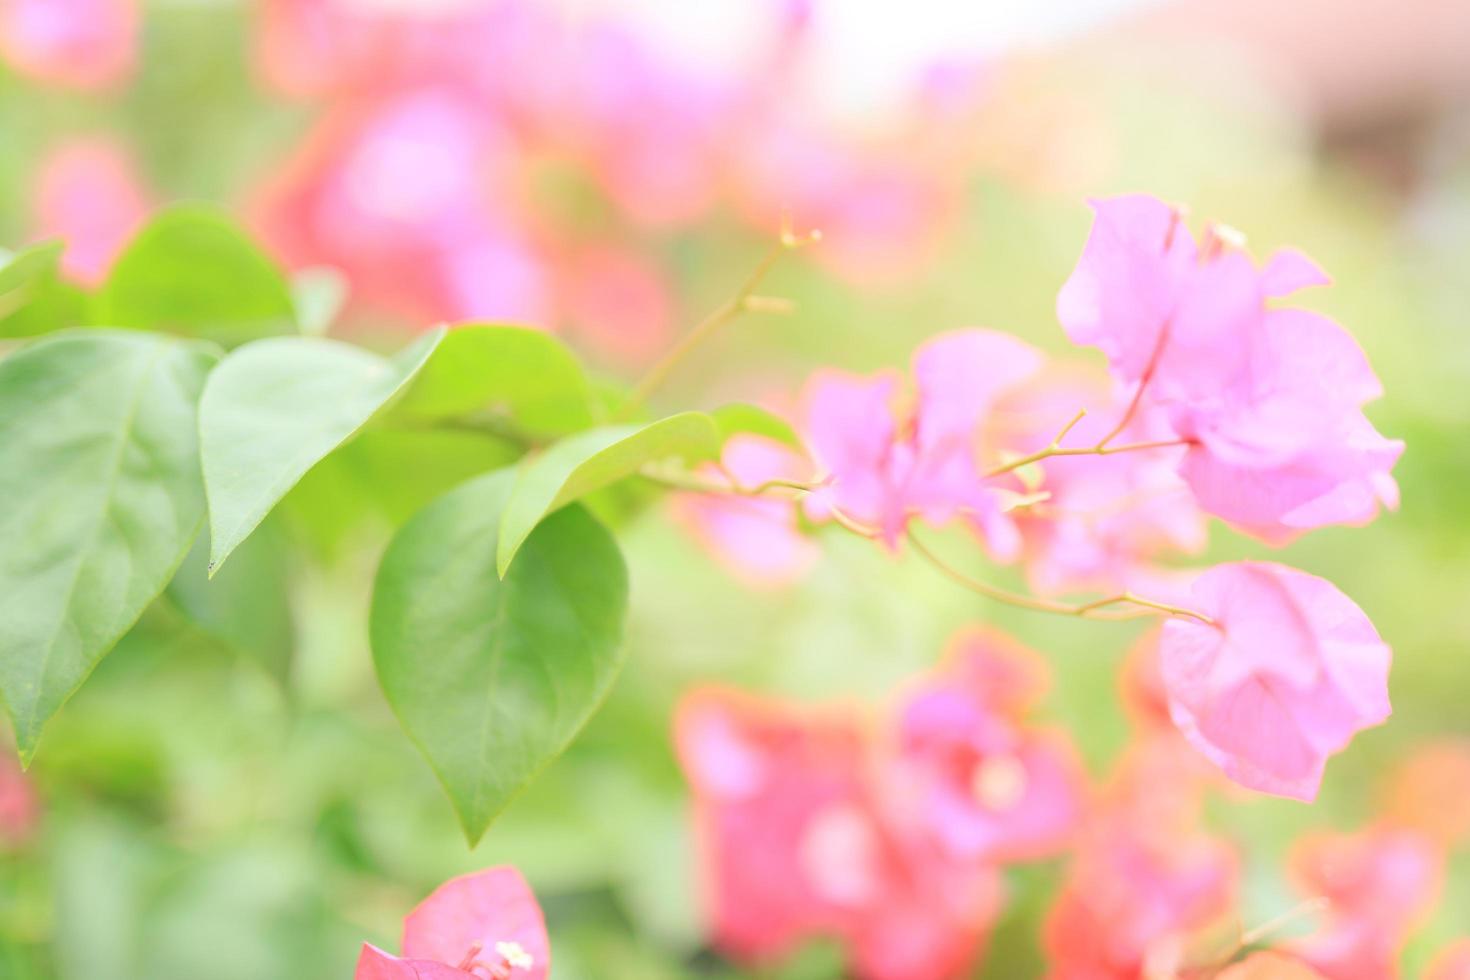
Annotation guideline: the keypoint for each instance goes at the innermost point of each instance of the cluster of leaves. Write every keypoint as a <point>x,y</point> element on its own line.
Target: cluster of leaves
<point>160,421</point>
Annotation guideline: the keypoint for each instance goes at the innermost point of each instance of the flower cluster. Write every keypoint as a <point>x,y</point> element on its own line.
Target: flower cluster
<point>816,822</point>
<point>463,149</point>
<point>893,837</point>
<point>1220,403</point>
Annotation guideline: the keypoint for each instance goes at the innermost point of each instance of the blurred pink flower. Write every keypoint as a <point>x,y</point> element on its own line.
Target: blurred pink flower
<point>985,783</point>
<point>83,44</point>
<point>1430,792</point>
<point>651,133</point>
<point>89,195</point>
<point>1379,883</point>
<point>888,465</point>
<point>1289,671</point>
<point>485,926</point>
<point>757,537</point>
<point>794,845</point>
<point>1145,882</point>
<point>415,199</point>
<point>1270,399</point>
<point>882,210</point>
<point>20,809</point>
<point>617,302</point>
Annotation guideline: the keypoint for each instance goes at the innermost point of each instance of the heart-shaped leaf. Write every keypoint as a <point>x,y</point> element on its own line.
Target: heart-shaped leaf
<point>492,677</point>
<point>591,460</point>
<point>99,478</point>
<point>524,378</point>
<point>274,408</point>
<point>191,270</point>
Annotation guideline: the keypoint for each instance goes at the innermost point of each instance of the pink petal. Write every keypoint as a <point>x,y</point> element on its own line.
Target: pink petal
<point>850,429</point>
<point>1289,270</point>
<point>374,964</point>
<point>1127,281</point>
<point>475,912</point>
<point>1290,670</point>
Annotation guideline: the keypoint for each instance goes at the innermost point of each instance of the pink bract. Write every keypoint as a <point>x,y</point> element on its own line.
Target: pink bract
<point>756,537</point>
<point>982,780</point>
<point>1287,673</point>
<point>1270,399</point>
<point>485,925</point>
<point>1380,883</point>
<point>795,845</point>
<point>889,464</point>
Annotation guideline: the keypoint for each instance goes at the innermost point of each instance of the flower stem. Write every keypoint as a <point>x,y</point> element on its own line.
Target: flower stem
<point>1096,609</point>
<point>743,301</point>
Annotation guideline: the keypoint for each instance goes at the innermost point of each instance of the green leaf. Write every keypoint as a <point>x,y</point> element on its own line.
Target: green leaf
<point>739,417</point>
<point>19,269</point>
<point>191,270</point>
<point>493,678</point>
<point>274,408</point>
<point>99,474</point>
<point>246,606</point>
<point>384,477</point>
<point>525,379</point>
<point>591,460</point>
<point>34,299</point>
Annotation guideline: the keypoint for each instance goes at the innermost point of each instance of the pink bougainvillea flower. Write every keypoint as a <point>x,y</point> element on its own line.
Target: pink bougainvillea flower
<point>1146,883</point>
<point>982,781</point>
<point>485,926</point>
<point>1097,521</point>
<point>796,846</point>
<point>89,195</point>
<point>1270,399</point>
<point>414,198</point>
<point>1287,673</point>
<point>1380,883</point>
<point>1136,898</point>
<point>618,302</point>
<point>20,810</point>
<point>756,537</point>
<point>83,44</point>
<point>1430,792</point>
<point>1451,963</point>
<point>889,465</point>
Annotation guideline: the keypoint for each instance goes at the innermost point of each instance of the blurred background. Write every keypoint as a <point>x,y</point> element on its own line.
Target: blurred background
<point>611,170</point>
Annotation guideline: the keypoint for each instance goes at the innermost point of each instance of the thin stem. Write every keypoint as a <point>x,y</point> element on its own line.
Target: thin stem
<point>1099,449</point>
<point>1096,609</point>
<point>1310,907</point>
<point>695,484</point>
<point>743,301</point>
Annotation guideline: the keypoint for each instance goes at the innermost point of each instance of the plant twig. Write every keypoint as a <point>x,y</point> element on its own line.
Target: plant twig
<point>745,300</point>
